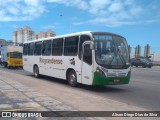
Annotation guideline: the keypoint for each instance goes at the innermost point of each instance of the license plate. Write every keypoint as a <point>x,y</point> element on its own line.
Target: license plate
<point>116,81</point>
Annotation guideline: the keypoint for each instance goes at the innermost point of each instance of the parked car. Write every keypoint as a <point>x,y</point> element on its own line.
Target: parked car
<point>144,62</point>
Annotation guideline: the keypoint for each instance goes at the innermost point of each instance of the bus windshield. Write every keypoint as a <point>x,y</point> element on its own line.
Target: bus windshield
<point>15,55</point>
<point>111,51</point>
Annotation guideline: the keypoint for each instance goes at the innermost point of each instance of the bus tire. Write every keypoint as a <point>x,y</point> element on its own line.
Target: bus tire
<point>36,71</point>
<point>72,78</point>
<point>5,64</point>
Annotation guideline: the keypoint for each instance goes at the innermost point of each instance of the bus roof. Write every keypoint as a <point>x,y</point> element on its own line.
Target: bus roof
<point>14,51</point>
<point>73,34</point>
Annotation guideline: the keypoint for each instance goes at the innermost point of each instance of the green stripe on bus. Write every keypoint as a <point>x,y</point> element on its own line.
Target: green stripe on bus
<point>101,80</point>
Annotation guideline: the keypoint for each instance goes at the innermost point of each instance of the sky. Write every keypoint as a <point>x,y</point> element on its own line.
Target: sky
<point>136,20</point>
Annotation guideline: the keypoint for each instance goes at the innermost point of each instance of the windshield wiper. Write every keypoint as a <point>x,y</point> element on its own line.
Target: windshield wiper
<point>122,58</point>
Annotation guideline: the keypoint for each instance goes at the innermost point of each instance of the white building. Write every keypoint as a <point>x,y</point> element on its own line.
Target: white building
<point>48,33</point>
<point>2,42</point>
<point>132,55</point>
<point>14,37</point>
<point>156,57</point>
<point>23,34</point>
<point>41,35</point>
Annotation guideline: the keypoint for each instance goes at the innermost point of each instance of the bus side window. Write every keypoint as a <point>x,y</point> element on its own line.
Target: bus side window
<point>38,48</point>
<point>30,48</point>
<point>25,48</point>
<point>46,51</point>
<point>71,46</point>
<point>57,47</point>
<point>87,54</point>
<point>83,38</point>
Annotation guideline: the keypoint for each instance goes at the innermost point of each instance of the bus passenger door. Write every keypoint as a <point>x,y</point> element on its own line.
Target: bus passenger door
<point>87,64</point>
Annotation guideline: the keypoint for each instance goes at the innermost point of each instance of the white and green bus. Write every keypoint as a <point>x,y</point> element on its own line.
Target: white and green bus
<point>91,58</point>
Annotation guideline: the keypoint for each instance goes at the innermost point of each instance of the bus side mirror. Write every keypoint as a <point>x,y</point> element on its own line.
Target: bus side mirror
<point>91,45</point>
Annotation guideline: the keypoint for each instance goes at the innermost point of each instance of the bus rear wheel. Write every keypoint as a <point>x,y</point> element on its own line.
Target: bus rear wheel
<point>72,78</point>
<point>36,71</point>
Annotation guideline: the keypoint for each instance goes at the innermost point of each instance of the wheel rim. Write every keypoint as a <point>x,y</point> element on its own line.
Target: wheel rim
<point>36,72</point>
<point>72,79</point>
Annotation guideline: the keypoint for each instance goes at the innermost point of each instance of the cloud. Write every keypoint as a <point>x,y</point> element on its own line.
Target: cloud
<point>110,13</point>
<point>18,10</point>
<point>81,4</point>
<point>108,22</point>
<point>113,13</point>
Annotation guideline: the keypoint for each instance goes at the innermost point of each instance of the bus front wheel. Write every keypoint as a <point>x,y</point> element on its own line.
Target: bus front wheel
<point>8,67</point>
<point>72,78</point>
<point>36,71</point>
<point>5,64</point>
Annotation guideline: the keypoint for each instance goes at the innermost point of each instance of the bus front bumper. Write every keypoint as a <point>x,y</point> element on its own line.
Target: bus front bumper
<point>15,65</point>
<point>102,80</point>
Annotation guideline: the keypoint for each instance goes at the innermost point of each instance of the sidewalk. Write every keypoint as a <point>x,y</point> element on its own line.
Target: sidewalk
<point>16,97</point>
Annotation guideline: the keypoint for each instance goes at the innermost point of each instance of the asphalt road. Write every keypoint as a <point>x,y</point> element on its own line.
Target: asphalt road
<point>142,91</point>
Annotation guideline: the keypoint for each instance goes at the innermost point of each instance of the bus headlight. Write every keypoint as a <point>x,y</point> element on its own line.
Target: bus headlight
<point>100,72</point>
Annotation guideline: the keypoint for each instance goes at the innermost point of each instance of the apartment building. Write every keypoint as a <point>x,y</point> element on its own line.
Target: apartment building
<point>23,34</point>
<point>48,33</point>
